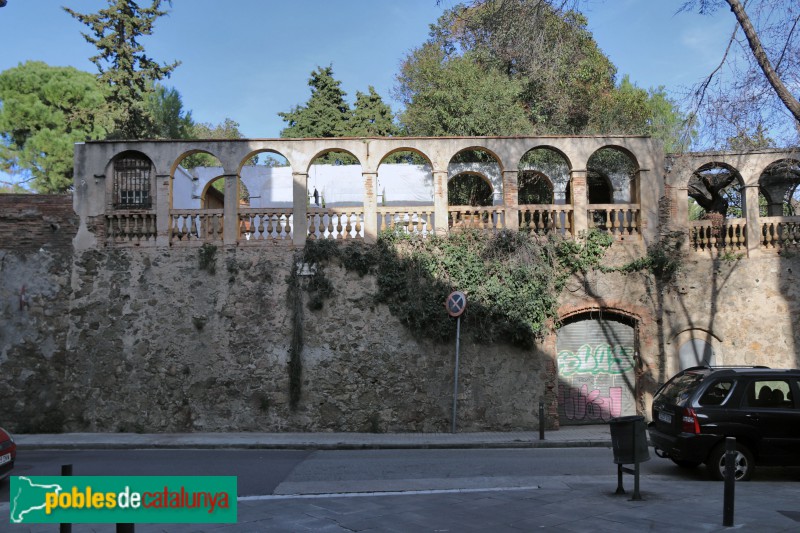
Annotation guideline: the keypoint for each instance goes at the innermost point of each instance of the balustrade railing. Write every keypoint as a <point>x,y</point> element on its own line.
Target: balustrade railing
<point>201,225</point>
<point>619,220</point>
<point>416,220</point>
<point>543,219</point>
<point>708,235</point>
<point>780,232</point>
<point>263,224</point>
<point>490,218</point>
<point>131,228</point>
<point>335,223</point>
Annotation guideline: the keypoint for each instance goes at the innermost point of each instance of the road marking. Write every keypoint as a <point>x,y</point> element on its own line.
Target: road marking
<point>379,493</point>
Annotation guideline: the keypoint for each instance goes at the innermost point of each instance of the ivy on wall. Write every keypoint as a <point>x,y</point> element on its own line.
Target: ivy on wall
<point>512,279</point>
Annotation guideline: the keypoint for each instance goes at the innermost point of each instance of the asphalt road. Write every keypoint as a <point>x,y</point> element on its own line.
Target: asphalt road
<point>276,472</point>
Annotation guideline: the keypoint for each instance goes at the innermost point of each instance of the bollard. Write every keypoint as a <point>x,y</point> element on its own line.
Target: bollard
<point>730,482</point>
<point>541,420</point>
<point>66,470</point>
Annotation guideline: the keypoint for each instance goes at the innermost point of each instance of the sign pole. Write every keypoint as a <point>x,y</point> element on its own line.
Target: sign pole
<point>455,372</point>
<point>455,305</point>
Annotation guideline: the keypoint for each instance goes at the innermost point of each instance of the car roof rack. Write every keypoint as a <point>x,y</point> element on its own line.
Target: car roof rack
<point>722,367</point>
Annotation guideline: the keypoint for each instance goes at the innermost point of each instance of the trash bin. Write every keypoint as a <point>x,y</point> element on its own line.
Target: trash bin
<point>629,440</point>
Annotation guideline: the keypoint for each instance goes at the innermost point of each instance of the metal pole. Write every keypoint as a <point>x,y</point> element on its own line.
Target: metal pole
<point>66,470</point>
<point>541,420</point>
<point>730,481</point>
<point>636,495</point>
<point>455,377</point>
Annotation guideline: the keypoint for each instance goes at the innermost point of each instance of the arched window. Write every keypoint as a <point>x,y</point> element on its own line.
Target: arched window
<point>132,183</point>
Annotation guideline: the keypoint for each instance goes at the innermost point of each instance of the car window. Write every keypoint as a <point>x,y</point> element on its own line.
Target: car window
<point>678,390</point>
<point>717,393</point>
<point>774,393</point>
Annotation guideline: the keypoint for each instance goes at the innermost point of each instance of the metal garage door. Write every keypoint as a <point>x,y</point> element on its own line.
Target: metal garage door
<point>595,371</point>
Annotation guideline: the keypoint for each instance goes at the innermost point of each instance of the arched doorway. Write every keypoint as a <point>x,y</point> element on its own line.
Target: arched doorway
<point>596,368</point>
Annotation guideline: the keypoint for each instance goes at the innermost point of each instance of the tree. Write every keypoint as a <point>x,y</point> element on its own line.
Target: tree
<point>325,114</point>
<point>521,67</point>
<point>123,65</point>
<point>457,96</point>
<point>763,67</point>
<point>170,120</point>
<point>227,129</point>
<point>371,116</point>
<point>45,110</point>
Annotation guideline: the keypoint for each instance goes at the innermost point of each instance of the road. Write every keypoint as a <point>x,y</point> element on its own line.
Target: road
<point>267,472</point>
<point>570,489</point>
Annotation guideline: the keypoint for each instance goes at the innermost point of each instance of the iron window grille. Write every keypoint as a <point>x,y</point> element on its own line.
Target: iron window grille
<point>132,183</point>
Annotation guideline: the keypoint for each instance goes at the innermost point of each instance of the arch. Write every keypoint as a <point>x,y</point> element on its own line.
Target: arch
<point>687,345</point>
<point>613,172</point>
<point>470,188</point>
<point>778,185</point>
<point>338,180</point>
<point>189,181</point>
<point>534,188</point>
<point>481,168</point>
<point>716,187</point>
<point>404,177</point>
<point>326,151</point>
<point>596,361</point>
<point>551,163</point>
<point>132,182</point>
<point>265,176</point>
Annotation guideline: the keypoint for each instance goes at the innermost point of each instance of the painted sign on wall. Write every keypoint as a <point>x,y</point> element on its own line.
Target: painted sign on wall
<point>595,371</point>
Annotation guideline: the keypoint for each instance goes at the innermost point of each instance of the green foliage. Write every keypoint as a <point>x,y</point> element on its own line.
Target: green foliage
<point>500,67</point>
<point>294,297</point>
<point>326,112</point>
<point>44,111</point>
<point>371,117</point>
<point>458,96</point>
<point>207,257</point>
<point>512,280</point>
<point>469,189</point>
<point>171,121</point>
<point>124,68</point>
<point>663,259</point>
<point>228,129</point>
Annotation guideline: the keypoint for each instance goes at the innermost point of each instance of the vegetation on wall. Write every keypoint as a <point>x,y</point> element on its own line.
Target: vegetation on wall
<point>512,279</point>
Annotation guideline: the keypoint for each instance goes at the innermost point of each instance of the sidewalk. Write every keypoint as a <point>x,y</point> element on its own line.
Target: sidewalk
<point>682,501</point>
<point>566,437</point>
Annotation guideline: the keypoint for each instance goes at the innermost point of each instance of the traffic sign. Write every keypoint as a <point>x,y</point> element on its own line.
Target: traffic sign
<point>456,303</point>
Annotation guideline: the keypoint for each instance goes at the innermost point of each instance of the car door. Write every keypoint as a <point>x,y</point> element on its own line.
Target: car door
<point>771,409</point>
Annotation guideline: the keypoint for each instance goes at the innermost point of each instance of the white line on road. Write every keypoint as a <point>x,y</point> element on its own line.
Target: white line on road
<point>379,493</point>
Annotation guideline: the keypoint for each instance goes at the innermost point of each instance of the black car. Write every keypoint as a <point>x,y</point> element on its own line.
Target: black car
<point>699,407</point>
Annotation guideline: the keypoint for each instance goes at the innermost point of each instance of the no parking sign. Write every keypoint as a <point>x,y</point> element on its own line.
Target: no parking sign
<point>456,303</point>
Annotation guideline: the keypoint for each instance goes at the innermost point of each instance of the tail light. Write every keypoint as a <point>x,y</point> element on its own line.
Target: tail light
<point>690,424</point>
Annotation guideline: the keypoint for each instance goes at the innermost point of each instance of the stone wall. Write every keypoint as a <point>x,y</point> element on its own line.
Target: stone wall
<point>151,340</point>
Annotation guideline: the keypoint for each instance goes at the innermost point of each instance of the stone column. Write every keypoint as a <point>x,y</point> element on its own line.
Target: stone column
<point>440,202</point>
<point>370,207</point>
<point>753,220</point>
<point>163,200</point>
<point>299,210</point>
<point>580,220</point>
<point>511,198</point>
<point>230,229</point>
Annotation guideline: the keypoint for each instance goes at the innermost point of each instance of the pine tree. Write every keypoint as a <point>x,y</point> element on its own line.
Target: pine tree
<point>371,116</point>
<point>325,114</point>
<point>122,63</point>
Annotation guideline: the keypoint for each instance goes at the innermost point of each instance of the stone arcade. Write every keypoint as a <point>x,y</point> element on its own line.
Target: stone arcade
<point>109,324</point>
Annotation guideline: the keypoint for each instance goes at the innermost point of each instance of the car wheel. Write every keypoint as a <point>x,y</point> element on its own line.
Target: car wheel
<point>743,466</point>
<point>686,464</point>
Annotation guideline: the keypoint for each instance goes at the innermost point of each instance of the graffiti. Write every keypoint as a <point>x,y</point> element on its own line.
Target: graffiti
<point>584,405</point>
<point>603,359</point>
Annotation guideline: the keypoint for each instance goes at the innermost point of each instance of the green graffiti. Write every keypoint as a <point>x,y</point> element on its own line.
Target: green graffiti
<point>600,359</point>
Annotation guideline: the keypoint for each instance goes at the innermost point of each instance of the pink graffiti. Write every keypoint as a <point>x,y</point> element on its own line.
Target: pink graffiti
<point>584,405</point>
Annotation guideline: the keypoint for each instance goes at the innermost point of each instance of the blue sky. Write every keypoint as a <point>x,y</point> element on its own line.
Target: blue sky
<point>250,59</point>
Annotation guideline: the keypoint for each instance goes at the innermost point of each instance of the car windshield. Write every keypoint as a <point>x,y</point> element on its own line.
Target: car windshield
<point>679,389</point>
